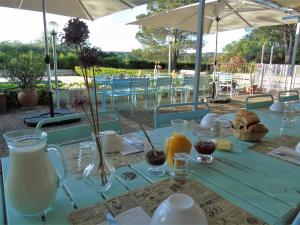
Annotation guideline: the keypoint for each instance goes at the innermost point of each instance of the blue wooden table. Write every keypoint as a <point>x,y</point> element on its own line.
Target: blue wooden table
<point>264,186</point>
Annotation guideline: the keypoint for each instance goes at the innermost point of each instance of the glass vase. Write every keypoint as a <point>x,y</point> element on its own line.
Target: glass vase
<point>99,174</point>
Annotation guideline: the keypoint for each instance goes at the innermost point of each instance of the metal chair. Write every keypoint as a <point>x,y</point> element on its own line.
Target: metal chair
<point>162,85</point>
<point>185,88</point>
<point>288,96</point>
<point>164,118</point>
<point>258,101</point>
<point>109,120</point>
<point>225,82</point>
<point>204,86</point>
<point>140,86</point>
<point>120,88</point>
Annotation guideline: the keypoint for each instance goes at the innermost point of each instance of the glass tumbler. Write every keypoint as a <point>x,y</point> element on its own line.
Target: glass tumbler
<point>179,126</point>
<point>180,173</point>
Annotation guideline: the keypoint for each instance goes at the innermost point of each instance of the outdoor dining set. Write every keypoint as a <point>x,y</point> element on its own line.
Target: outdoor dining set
<point>240,182</point>
<point>152,89</point>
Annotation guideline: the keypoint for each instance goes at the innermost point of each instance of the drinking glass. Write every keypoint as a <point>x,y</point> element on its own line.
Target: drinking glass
<point>179,126</point>
<point>180,173</point>
<point>288,120</point>
<point>217,128</point>
<point>155,158</point>
<point>287,127</point>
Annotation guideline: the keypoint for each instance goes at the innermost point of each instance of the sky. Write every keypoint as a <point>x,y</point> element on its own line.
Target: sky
<point>110,33</point>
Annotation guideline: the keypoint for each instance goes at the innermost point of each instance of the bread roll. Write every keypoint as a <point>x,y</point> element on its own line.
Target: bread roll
<point>257,128</point>
<point>243,113</point>
<point>239,125</point>
<point>249,120</point>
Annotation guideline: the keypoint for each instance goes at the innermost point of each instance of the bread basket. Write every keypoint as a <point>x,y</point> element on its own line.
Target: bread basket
<point>249,136</point>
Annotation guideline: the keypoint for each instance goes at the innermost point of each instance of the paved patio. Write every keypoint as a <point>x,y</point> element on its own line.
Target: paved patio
<point>13,119</point>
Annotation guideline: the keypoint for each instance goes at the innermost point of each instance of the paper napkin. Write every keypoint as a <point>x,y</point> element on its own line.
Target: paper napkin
<point>134,216</point>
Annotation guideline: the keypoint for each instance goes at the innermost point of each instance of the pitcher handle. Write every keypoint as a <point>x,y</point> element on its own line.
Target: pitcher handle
<point>63,160</point>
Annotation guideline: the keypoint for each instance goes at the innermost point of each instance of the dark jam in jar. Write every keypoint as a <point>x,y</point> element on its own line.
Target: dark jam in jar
<point>156,158</point>
<point>205,147</point>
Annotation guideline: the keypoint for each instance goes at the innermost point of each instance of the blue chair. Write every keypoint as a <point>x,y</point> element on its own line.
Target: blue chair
<point>259,101</point>
<point>186,87</point>
<point>140,86</point>
<point>162,85</point>
<point>288,96</point>
<point>108,120</point>
<point>120,88</point>
<point>204,86</point>
<point>163,118</point>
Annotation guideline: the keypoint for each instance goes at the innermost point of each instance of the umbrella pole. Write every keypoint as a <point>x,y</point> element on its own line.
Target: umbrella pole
<point>215,94</point>
<point>47,60</point>
<point>292,69</point>
<point>198,51</point>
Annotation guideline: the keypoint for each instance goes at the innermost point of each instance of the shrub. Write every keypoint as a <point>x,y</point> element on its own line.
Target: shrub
<point>25,69</point>
<point>112,71</point>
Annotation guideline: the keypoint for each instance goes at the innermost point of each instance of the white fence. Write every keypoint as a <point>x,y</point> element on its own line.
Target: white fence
<point>276,76</point>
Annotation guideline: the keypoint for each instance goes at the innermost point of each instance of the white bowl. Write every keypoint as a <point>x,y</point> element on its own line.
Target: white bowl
<point>277,107</point>
<point>207,120</point>
<point>179,209</point>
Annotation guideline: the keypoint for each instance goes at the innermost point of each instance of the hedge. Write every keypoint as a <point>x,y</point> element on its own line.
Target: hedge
<point>112,71</point>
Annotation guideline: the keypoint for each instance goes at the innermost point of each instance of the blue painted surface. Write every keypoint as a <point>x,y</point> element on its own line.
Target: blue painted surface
<point>257,103</point>
<point>264,186</point>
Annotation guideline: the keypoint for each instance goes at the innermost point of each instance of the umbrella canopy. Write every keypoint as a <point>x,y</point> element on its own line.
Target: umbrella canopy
<point>85,9</point>
<point>292,4</point>
<point>219,15</point>
<point>231,15</point>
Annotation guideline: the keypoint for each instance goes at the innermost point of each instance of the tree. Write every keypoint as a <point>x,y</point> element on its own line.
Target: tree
<point>249,47</point>
<point>155,47</point>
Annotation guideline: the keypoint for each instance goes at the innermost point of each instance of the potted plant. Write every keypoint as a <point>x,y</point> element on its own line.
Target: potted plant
<point>26,70</point>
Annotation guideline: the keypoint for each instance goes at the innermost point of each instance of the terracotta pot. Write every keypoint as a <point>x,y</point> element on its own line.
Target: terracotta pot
<point>28,99</point>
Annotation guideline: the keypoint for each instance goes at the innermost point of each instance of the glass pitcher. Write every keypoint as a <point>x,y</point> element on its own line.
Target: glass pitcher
<point>32,181</point>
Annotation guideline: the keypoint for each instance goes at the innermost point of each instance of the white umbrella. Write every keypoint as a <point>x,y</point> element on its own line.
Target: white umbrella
<point>219,15</point>
<point>85,9</point>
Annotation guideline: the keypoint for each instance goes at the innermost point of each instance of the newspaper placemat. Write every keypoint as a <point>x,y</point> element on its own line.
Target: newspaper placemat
<point>268,144</point>
<point>218,210</point>
<point>286,154</point>
<point>80,155</point>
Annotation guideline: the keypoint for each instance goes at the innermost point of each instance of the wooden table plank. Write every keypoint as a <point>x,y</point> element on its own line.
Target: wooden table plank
<point>267,217</point>
<point>254,197</point>
<point>14,217</point>
<point>133,184</point>
<point>61,207</point>
<point>81,194</point>
<point>116,189</point>
<point>264,165</point>
<point>267,186</point>
<point>2,205</point>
